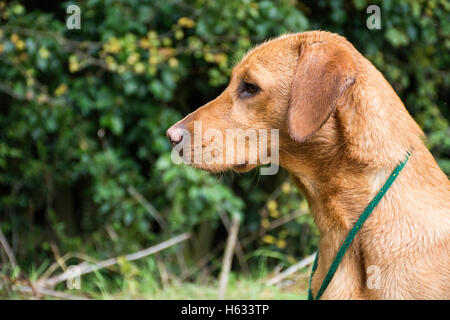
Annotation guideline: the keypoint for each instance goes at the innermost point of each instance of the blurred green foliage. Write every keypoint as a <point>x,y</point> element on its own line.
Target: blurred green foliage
<point>83,116</point>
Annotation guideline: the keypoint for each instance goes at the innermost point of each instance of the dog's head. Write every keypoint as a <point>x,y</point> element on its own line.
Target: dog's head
<point>291,84</point>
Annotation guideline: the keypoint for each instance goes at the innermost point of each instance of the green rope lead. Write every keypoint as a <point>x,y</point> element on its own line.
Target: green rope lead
<point>351,235</point>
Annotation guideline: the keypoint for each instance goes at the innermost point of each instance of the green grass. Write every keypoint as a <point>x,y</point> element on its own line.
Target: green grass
<point>143,281</point>
<point>239,289</point>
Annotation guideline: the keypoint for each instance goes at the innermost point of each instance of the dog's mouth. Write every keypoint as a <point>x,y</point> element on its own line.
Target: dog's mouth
<point>244,167</point>
<point>241,167</point>
<point>238,168</point>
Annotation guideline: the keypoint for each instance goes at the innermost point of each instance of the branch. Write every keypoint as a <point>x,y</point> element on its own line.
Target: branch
<point>292,269</point>
<point>147,206</point>
<point>203,261</point>
<point>63,260</point>
<point>8,250</point>
<point>239,251</point>
<point>93,45</point>
<point>49,100</point>
<point>228,256</point>
<point>84,268</point>
<point>47,292</point>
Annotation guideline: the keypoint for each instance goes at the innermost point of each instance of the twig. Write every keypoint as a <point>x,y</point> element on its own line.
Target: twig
<point>62,263</point>
<point>180,259</point>
<point>48,34</point>
<point>203,261</point>
<point>63,260</point>
<point>147,206</point>
<point>159,219</point>
<point>162,271</point>
<point>84,268</point>
<point>239,251</point>
<point>8,250</point>
<point>47,292</point>
<point>228,256</point>
<point>9,91</point>
<point>292,269</point>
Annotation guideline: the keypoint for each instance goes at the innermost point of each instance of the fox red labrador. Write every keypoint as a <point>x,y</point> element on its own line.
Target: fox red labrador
<point>342,132</point>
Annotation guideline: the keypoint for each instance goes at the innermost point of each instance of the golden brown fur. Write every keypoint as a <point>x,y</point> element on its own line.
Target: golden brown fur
<point>343,130</point>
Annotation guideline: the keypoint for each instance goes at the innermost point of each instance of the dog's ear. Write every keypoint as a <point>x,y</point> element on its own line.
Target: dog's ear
<point>324,72</point>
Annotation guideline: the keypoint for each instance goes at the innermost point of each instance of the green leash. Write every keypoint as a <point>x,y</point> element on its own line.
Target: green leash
<point>352,233</point>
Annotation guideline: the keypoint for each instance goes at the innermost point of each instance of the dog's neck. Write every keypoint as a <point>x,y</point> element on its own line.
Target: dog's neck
<point>341,168</point>
<point>337,185</point>
<point>337,191</point>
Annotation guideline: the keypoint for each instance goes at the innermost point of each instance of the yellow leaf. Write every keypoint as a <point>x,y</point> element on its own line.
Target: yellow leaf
<point>139,68</point>
<point>167,52</point>
<point>167,41</point>
<point>42,98</point>
<point>14,38</point>
<point>74,65</point>
<point>133,58</point>
<point>274,213</point>
<point>153,60</point>
<point>209,57</point>
<point>186,22</point>
<point>144,43</point>
<point>268,239</point>
<point>113,45</point>
<point>62,88</point>
<point>272,205</point>
<point>286,187</point>
<point>20,45</point>
<point>304,205</point>
<point>152,35</point>
<point>179,35</point>
<point>281,244</point>
<point>173,62</point>
<point>44,53</point>
<point>111,63</point>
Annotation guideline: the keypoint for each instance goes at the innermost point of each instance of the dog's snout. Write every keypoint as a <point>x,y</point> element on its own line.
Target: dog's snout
<point>175,134</point>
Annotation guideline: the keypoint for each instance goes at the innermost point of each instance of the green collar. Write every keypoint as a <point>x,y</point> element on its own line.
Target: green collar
<point>352,233</point>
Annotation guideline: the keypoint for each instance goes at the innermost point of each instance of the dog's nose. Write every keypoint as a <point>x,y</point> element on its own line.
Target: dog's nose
<point>175,134</point>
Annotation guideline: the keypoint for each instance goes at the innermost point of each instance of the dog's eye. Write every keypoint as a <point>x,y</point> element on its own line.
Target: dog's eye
<point>247,89</point>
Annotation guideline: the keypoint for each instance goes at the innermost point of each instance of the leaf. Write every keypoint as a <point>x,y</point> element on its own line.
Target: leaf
<point>396,37</point>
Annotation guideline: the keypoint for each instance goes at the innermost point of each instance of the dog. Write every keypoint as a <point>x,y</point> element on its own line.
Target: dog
<point>342,131</point>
